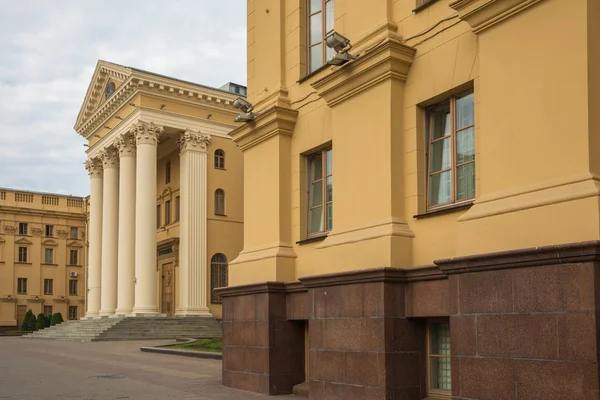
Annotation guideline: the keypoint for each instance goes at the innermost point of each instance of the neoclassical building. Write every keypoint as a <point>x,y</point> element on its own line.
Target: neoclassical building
<point>166,209</point>
<point>42,255</point>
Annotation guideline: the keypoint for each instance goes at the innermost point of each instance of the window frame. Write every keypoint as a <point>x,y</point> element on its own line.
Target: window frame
<point>49,231</point>
<point>324,202</point>
<point>177,208</point>
<point>75,230</point>
<point>51,308</point>
<point>23,228</point>
<point>429,125</point>
<point>21,284</point>
<point>219,269</point>
<point>434,393</point>
<point>219,198</point>
<point>168,172</point>
<point>71,252</point>
<point>158,216</point>
<point>219,161</point>
<point>23,256</point>
<point>324,33</point>
<point>46,250</point>
<point>72,316</point>
<point>73,284</point>
<point>167,212</point>
<point>48,286</point>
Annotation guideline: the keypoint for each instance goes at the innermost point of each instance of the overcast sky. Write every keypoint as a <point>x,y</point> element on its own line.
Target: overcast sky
<point>48,51</point>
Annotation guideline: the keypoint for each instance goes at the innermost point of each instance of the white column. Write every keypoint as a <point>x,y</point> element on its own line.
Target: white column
<point>110,224</point>
<point>146,298</point>
<point>192,226</point>
<point>126,235</point>
<point>94,167</point>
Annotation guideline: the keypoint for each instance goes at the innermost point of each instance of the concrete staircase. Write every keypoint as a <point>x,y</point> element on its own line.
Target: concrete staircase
<point>131,328</point>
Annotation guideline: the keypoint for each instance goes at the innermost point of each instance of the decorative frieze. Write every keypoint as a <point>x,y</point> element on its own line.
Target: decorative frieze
<point>62,234</point>
<point>146,133</point>
<point>190,140</point>
<point>126,145</point>
<point>36,232</point>
<point>94,167</point>
<point>110,158</point>
<point>10,230</point>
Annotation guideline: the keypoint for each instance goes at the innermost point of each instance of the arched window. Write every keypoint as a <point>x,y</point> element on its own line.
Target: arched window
<point>219,159</point>
<point>219,202</point>
<point>218,275</point>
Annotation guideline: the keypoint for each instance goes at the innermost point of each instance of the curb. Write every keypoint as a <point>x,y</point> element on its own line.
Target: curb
<point>184,353</point>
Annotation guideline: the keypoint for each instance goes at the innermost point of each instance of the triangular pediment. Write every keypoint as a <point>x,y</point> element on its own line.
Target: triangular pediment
<point>74,244</point>
<point>105,73</point>
<point>49,242</point>
<point>23,241</point>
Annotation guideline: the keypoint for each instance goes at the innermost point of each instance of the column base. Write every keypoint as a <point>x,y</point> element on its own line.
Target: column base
<point>193,312</point>
<point>145,315</point>
<point>90,315</point>
<point>145,310</point>
<point>106,313</point>
<point>123,312</point>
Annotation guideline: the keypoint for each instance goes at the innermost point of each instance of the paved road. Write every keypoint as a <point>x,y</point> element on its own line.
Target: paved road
<point>48,369</point>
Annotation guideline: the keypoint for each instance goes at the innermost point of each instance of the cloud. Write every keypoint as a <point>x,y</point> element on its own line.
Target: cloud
<point>49,51</point>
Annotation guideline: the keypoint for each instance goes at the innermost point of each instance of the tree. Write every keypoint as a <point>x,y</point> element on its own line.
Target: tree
<point>41,322</point>
<point>32,324</point>
<point>25,324</point>
<point>56,319</point>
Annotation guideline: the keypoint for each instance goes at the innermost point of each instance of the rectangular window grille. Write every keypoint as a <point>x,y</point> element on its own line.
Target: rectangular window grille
<point>320,193</point>
<point>23,254</point>
<point>438,352</point>
<point>73,286</point>
<point>76,203</point>
<point>219,278</point>
<point>73,257</point>
<point>72,312</point>
<point>2,195</point>
<point>50,200</point>
<point>48,286</point>
<point>22,285</point>
<point>22,228</point>
<point>74,233</point>
<point>48,311</point>
<point>24,197</point>
<point>48,256</point>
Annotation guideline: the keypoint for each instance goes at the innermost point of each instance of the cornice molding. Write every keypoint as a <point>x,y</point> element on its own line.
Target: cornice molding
<point>390,59</point>
<point>483,14</point>
<point>23,241</point>
<point>50,242</point>
<point>271,122</point>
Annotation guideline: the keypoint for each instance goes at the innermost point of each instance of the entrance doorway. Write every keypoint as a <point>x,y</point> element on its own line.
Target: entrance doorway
<point>21,311</point>
<point>168,282</point>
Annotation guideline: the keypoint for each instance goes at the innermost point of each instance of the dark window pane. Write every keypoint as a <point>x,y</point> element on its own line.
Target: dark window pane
<point>316,220</point>
<point>440,121</point>
<point>316,168</point>
<point>441,155</point>
<point>440,188</point>
<point>316,191</point>
<point>329,216</point>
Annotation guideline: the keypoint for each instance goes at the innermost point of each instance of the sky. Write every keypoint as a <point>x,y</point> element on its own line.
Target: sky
<point>48,52</point>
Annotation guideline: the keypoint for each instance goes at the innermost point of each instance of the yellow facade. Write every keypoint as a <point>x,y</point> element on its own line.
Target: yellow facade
<point>42,240</point>
<point>536,180</point>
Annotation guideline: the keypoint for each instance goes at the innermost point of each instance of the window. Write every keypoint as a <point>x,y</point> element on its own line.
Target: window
<point>73,284</point>
<point>74,234</point>
<point>167,212</point>
<point>22,285</point>
<point>23,254</point>
<point>48,256</point>
<point>109,90</point>
<point>219,159</point>
<point>48,286</point>
<point>220,202</point>
<point>73,257</point>
<point>48,311</point>
<point>320,196</point>
<point>218,275</point>
<point>22,228</point>
<point>451,156</point>
<point>158,219</point>
<point>72,312</point>
<point>168,172</point>
<point>177,208</point>
<point>320,23</point>
<point>49,230</point>
<point>438,354</point>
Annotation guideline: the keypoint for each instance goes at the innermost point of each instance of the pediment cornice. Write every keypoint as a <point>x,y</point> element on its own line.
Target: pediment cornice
<point>74,244</point>
<point>23,241</point>
<point>94,113</point>
<point>50,242</point>
<point>482,14</point>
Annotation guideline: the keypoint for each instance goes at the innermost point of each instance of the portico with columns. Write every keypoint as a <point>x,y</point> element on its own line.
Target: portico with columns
<point>165,193</point>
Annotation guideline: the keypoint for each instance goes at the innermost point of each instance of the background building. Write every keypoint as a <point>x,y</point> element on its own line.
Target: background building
<point>166,211</point>
<point>464,132</point>
<point>42,255</point>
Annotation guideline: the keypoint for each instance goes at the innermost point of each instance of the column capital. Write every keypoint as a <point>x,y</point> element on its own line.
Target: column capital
<point>126,145</point>
<point>110,158</point>
<point>194,141</point>
<point>94,167</point>
<point>146,133</point>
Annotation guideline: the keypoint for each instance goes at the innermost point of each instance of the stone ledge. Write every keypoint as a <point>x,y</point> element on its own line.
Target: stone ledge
<point>184,353</point>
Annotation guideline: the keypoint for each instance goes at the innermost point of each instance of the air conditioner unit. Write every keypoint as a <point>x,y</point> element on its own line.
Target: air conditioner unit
<point>73,274</point>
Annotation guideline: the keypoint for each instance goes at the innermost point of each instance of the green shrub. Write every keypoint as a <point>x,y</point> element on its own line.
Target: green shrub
<point>32,326</point>
<point>25,324</point>
<point>41,322</point>
<point>56,319</point>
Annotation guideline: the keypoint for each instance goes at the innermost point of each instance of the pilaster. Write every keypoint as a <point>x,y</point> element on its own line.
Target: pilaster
<point>193,259</point>
<point>94,167</point>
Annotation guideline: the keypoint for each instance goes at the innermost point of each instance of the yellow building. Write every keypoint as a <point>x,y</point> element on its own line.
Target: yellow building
<point>166,209</point>
<point>461,131</point>
<point>42,255</point>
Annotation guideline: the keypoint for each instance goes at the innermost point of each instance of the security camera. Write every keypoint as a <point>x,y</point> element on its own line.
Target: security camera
<point>341,59</point>
<point>245,117</point>
<point>337,42</point>
<point>243,105</point>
